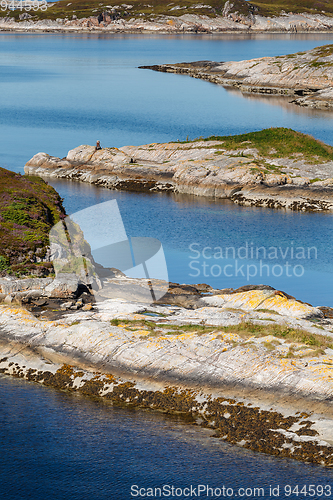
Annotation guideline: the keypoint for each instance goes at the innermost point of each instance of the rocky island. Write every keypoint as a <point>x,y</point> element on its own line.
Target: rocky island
<point>307,76</point>
<point>254,365</point>
<point>276,168</point>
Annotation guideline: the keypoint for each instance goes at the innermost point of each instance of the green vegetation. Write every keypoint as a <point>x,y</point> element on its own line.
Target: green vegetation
<point>275,7</point>
<point>135,8</point>
<point>323,51</point>
<point>297,335</point>
<point>29,207</point>
<point>279,143</point>
<point>245,330</point>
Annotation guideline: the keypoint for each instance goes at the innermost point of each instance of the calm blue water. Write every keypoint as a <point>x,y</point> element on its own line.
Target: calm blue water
<point>194,231</point>
<point>57,446</point>
<point>59,91</point>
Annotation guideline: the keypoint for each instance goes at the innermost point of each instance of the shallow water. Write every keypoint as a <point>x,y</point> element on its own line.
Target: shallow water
<point>57,445</point>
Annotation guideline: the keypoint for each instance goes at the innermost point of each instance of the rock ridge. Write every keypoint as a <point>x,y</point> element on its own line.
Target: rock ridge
<point>185,23</point>
<point>243,169</point>
<point>308,76</point>
<point>193,362</point>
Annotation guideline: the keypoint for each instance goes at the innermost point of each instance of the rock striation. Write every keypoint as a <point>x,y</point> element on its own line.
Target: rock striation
<point>276,168</point>
<point>251,365</point>
<point>308,76</point>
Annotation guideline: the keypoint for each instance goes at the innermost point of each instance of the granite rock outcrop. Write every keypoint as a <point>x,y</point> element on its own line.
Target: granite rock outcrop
<point>243,169</point>
<point>308,76</point>
<point>239,358</point>
<point>228,22</point>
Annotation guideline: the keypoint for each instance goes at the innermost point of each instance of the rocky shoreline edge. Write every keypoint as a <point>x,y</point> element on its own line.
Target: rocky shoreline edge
<point>228,23</point>
<point>254,365</point>
<point>262,169</point>
<point>306,76</point>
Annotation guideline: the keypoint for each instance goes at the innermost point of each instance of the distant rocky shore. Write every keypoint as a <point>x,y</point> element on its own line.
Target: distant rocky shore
<point>230,22</point>
<point>307,76</point>
<point>276,168</point>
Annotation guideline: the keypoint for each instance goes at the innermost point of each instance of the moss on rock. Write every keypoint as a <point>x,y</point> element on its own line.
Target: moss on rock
<point>29,208</point>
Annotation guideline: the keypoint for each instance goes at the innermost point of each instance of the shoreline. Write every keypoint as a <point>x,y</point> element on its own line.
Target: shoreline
<point>145,31</point>
<point>189,22</point>
<point>210,168</point>
<point>269,402</point>
<point>305,76</point>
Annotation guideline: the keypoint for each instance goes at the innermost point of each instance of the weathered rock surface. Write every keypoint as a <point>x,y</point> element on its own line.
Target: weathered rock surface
<point>306,75</point>
<point>210,168</point>
<point>268,393</point>
<point>186,23</point>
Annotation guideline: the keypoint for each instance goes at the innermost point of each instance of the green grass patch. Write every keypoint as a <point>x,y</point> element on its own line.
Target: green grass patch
<point>284,142</point>
<point>247,330</point>
<point>316,179</point>
<point>275,8</point>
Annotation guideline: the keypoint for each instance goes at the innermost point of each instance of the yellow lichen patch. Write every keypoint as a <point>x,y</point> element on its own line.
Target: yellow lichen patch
<point>141,333</point>
<point>245,300</point>
<point>228,337</point>
<point>286,364</point>
<point>281,304</point>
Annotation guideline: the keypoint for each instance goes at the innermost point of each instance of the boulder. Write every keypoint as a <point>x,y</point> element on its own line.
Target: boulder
<point>65,285</point>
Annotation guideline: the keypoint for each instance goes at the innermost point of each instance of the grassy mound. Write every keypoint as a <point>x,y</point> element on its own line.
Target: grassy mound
<point>29,207</point>
<point>279,142</point>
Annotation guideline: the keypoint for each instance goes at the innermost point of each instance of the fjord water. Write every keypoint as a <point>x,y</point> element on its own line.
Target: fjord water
<point>57,446</point>
<point>59,91</point>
